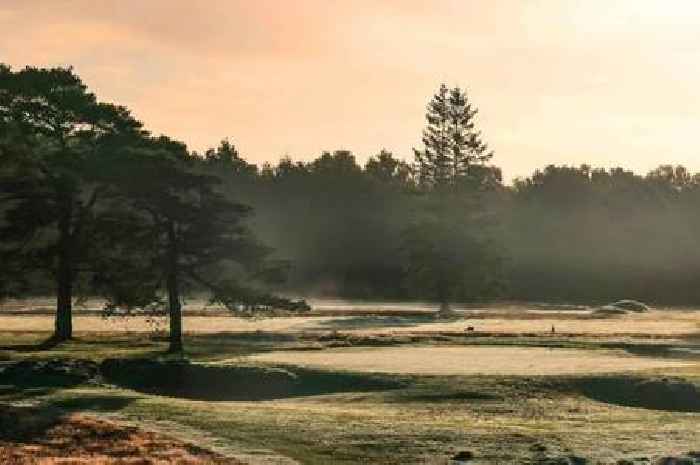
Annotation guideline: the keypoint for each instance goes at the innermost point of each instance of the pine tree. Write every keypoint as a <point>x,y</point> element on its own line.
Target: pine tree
<point>384,168</point>
<point>226,157</point>
<point>452,144</point>
<point>446,254</point>
<point>176,232</point>
<point>56,148</point>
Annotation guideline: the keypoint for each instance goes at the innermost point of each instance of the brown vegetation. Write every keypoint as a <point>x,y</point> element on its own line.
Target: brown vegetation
<point>27,438</point>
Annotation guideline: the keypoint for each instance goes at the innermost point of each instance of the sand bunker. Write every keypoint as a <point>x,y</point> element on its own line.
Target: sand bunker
<point>460,360</point>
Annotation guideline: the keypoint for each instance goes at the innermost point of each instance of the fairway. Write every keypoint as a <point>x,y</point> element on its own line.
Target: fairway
<point>525,361</point>
<point>345,386</point>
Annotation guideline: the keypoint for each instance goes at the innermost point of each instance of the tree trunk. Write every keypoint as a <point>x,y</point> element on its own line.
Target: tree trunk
<point>445,310</point>
<point>64,306</point>
<point>63,329</point>
<point>175,308</point>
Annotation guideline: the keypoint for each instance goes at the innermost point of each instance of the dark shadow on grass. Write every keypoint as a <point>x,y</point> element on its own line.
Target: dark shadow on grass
<point>668,394</point>
<point>243,337</point>
<point>230,344</point>
<point>236,383</point>
<point>32,378</point>
<point>93,403</point>
<point>675,351</point>
<point>29,424</point>
<point>439,397</point>
<point>23,424</point>
<point>47,344</point>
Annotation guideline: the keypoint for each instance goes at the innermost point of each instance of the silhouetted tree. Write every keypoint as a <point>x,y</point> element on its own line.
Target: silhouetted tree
<point>445,247</point>
<point>583,234</point>
<point>57,144</point>
<point>385,168</point>
<point>452,144</point>
<point>225,157</point>
<point>183,233</point>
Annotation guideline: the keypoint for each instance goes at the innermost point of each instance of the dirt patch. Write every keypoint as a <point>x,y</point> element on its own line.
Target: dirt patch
<point>78,440</point>
<point>465,360</point>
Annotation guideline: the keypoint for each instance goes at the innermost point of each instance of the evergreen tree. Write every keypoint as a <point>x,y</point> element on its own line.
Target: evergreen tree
<point>386,169</point>
<point>179,233</point>
<point>447,253</point>
<point>56,148</point>
<point>226,157</point>
<point>452,144</point>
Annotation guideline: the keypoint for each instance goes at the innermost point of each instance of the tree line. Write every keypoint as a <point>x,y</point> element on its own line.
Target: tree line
<point>94,204</point>
<point>564,234</point>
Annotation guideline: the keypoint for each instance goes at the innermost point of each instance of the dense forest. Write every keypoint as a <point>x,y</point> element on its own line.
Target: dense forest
<point>569,234</point>
<point>92,203</point>
<point>575,234</point>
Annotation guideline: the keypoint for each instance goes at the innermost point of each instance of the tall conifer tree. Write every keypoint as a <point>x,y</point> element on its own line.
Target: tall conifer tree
<point>452,144</point>
<point>447,254</point>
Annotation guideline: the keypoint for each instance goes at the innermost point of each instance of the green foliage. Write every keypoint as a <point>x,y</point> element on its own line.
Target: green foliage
<point>176,232</point>
<point>226,158</point>
<point>584,234</point>
<point>57,142</point>
<point>385,168</point>
<point>452,144</point>
<point>447,254</point>
<point>91,198</point>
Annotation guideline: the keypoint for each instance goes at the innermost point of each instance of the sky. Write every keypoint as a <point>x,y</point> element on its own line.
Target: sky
<point>603,82</point>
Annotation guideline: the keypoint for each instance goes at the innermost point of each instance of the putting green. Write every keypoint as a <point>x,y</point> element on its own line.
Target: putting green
<point>461,360</point>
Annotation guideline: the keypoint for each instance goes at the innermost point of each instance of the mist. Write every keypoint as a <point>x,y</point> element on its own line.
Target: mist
<point>569,234</point>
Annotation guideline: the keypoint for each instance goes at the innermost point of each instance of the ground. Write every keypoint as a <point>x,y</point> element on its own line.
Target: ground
<point>38,439</point>
<point>364,383</point>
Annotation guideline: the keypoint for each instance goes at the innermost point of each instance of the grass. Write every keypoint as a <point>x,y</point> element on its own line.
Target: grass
<point>429,419</point>
<point>328,416</point>
<point>37,438</point>
<point>100,346</point>
<point>465,360</point>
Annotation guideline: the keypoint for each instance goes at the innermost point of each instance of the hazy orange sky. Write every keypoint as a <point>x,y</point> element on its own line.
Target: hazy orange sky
<point>557,81</point>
